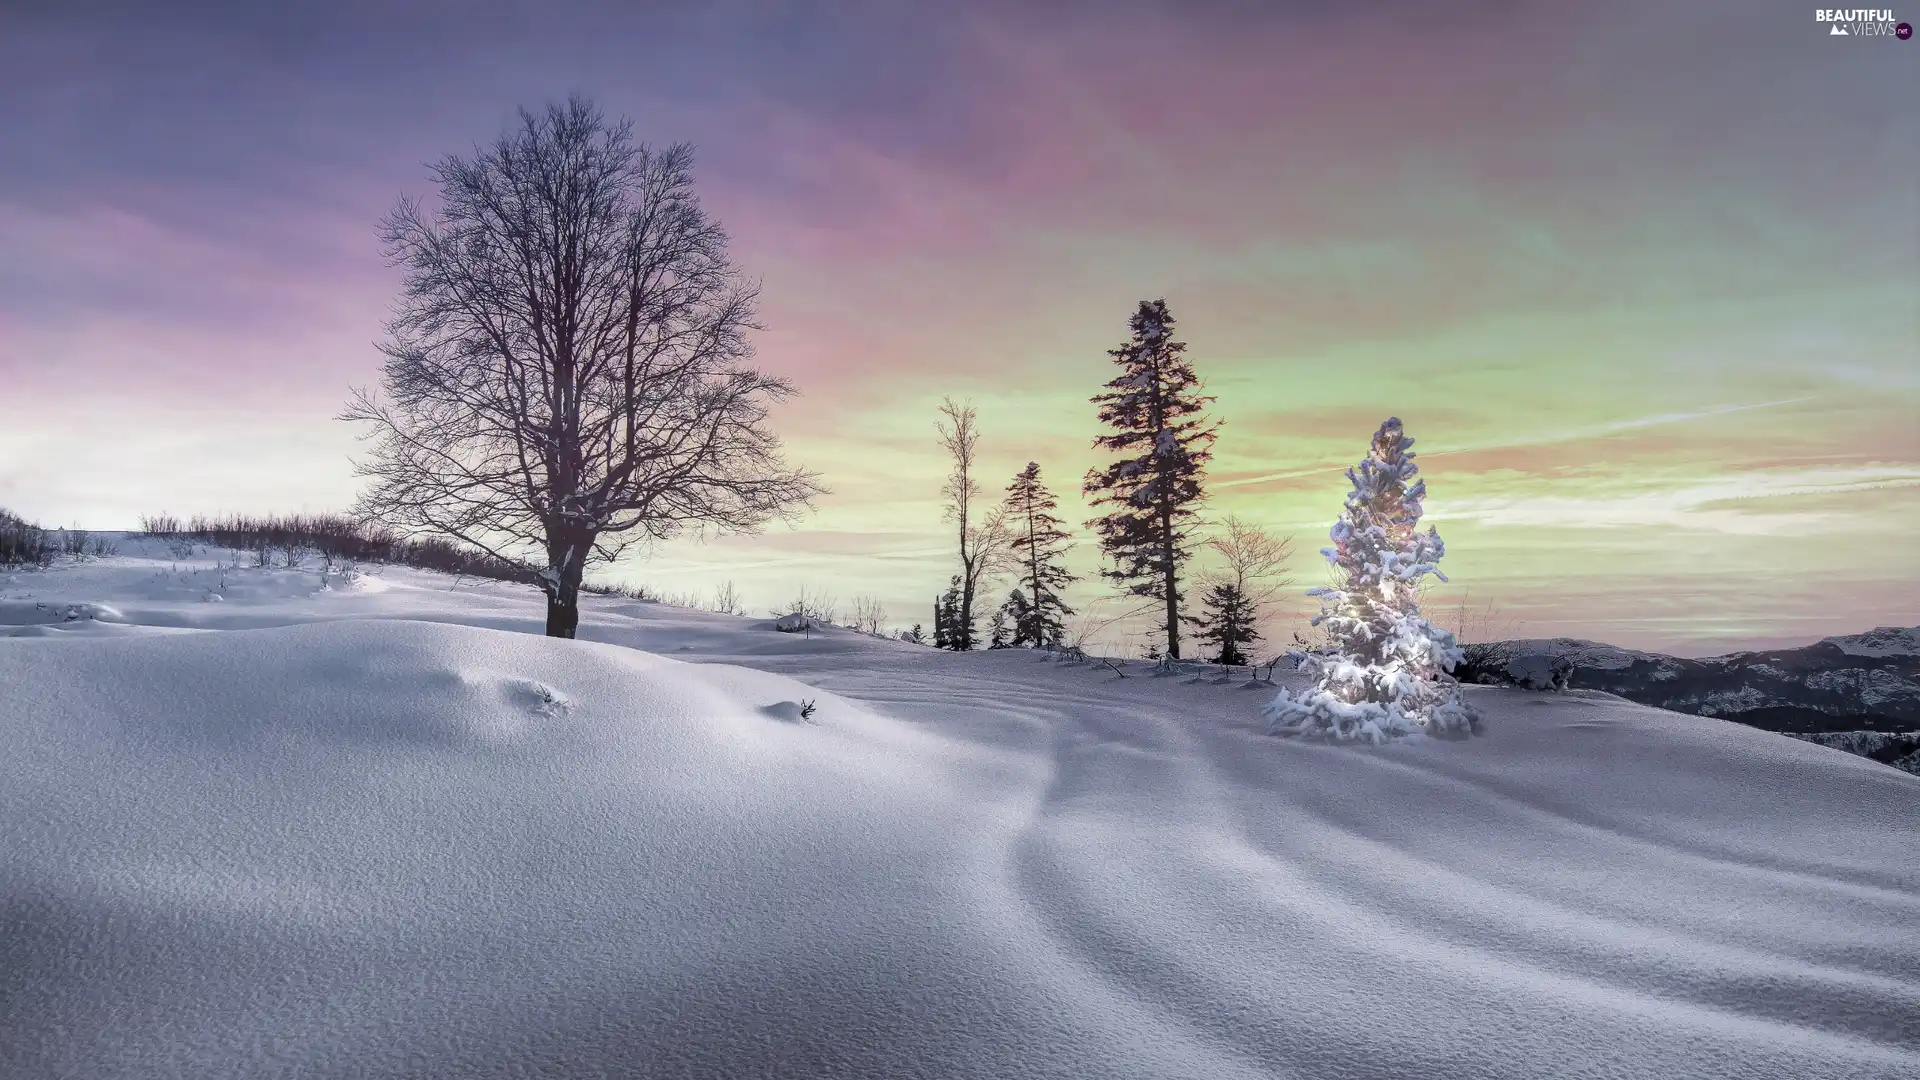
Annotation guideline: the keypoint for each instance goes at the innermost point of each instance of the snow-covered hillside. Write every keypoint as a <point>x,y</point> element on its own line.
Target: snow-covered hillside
<point>376,827</point>
<point>1862,682</point>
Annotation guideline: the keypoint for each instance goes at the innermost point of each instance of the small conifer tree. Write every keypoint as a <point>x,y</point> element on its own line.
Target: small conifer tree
<point>1388,672</point>
<point>1019,613</point>
<point>952,628</point>
<point>1229,623</point>
<point>999,629</point>
<point>1036,545</point>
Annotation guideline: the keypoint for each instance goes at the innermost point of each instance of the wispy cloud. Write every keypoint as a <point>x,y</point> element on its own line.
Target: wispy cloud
<point>1612,428</point>
<point>1571,435</point>
<point>1730,504</point>
<point>1671,418</point>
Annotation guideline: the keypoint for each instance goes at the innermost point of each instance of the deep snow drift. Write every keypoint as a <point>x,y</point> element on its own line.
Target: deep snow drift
<point>364,832</point>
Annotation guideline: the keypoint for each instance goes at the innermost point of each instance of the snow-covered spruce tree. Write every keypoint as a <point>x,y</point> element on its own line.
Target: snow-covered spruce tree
<point>1036,544</point>
<point>1388,674</point>
<point>1229,623</point>
<point>1156,410</point>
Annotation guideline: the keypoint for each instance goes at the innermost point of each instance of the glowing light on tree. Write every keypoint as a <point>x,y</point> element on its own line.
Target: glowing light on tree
<point>1388,674</point>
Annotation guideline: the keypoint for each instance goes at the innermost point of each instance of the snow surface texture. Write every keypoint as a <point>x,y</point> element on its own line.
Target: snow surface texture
<point>334,843</point>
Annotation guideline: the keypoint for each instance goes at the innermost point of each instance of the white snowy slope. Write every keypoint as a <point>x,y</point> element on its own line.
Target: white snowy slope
<point>1885,641</point>
<point>367,831</point>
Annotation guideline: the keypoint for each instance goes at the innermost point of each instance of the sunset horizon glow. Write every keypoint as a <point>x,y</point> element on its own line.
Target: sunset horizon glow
<point>1642,283</point>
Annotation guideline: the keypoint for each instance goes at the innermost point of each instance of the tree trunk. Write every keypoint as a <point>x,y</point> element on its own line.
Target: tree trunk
<point>563,596</point>
<point>1033,566</point>
<point>1173,598</point>
<point>563,609</point>
<point>963,629</point>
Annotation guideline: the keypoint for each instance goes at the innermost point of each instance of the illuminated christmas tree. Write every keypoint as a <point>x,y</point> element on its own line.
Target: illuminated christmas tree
<point>1388,674</point>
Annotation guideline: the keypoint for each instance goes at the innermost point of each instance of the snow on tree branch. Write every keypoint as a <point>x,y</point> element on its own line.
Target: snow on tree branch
<point>1388,675</point>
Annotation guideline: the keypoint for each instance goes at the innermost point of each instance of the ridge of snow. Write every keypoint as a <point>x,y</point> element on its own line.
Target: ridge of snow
<point>1595,654</point>
<point>1880,641</point>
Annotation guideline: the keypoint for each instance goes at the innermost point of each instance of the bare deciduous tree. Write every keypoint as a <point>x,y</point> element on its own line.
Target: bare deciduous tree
<point>567,373</point>
<point>983,540</point>
<point>1479,626</point>
<point>726,599</point>
<point>869,615</point>
<point>1251,559</point>
<point>816,607</point>
<point>159,524</point>
<point>1097,620</point>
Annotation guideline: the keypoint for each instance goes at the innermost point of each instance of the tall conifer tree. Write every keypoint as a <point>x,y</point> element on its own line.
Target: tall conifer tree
<point>1155,487</point>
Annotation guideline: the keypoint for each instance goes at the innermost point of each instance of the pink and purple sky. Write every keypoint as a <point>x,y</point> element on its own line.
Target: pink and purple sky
<point>1643,279</point>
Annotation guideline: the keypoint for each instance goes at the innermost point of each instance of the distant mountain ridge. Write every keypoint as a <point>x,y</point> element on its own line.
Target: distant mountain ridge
<point>1857,682</point>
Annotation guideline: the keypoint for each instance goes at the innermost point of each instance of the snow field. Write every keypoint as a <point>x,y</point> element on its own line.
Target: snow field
<point>390,832</point>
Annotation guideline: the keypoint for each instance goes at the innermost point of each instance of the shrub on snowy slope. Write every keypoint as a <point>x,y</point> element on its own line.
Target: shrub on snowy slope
<point>1387,675</point>
<point>291,538</point>
<point>23,543</point>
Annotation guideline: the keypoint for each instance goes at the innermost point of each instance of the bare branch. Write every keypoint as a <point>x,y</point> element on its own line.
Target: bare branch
<point>1252,560</point>
<point>869,615</point>
<point>568,369</point>
<point>984,544</point>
